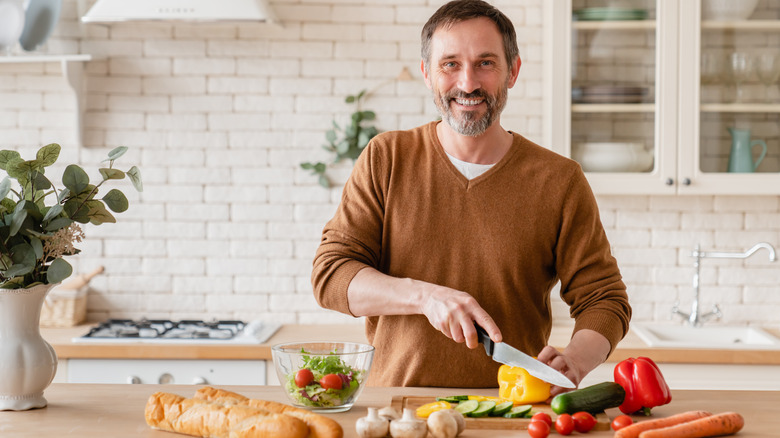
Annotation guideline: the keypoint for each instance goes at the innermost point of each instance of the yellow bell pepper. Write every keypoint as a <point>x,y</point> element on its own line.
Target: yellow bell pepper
<point>515,384</point>
<point>427,409</point>
<point>486,398</point>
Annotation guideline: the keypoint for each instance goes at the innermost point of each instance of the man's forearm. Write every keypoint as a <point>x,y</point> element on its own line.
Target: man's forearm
<point>372,293</point>
<point>452,312</point>
<point>588,349</point>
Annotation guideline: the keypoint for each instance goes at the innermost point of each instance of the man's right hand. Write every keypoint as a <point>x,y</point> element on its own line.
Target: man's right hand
<point>454,312</point>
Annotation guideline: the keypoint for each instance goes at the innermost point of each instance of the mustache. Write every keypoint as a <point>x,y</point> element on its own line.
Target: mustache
<point>456,94</point>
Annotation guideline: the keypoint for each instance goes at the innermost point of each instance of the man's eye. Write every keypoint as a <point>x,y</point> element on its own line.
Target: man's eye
<point>486,63</point>
<point>449,64</point>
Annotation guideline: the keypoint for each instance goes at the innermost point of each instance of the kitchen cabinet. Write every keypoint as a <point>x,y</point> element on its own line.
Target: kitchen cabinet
<point>642,95</point>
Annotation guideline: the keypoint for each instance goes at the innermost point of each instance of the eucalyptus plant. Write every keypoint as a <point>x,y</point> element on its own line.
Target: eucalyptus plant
<point>35,234</point>
<point>347,142</point>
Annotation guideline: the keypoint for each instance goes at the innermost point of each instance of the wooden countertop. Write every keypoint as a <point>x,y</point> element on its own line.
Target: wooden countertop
<point>631,346</point>
<point>89,410</point>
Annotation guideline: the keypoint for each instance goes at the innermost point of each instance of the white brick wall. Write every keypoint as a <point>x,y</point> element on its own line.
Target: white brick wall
<point>218,117</point>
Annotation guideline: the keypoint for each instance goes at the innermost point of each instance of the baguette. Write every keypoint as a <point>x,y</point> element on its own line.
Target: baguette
<point>319,425</point>
<point>202,418</point>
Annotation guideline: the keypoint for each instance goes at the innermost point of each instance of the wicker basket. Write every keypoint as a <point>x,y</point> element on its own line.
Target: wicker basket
<point>64,307</point>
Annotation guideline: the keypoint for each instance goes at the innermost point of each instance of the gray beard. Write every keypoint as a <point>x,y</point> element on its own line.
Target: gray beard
<point>471,124</point>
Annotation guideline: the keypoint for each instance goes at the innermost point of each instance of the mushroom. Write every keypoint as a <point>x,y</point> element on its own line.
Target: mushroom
<point>372,425</point>
<point>390,413</point>
<point>458,419</point>
<point>442,424</point>
<point>408,426</point>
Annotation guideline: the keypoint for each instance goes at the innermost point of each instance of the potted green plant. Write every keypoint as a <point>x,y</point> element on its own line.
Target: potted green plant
<point>39,226</point>
<point>347,142</point>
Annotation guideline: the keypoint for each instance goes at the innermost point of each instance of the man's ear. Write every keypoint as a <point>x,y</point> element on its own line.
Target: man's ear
<point>514,72</point>
<point>425,74</point>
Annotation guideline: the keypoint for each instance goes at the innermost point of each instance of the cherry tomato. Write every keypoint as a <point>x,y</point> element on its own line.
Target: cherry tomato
<point>331,381</point>
<point>621,421</point>
<point>542,416</point>
<point>303,377</point>
<point>583,422</point>
<point>538,429</point>
<point>564,424</point>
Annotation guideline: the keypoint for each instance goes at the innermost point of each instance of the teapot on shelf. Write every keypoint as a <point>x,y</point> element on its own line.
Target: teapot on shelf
<point>741,157</point>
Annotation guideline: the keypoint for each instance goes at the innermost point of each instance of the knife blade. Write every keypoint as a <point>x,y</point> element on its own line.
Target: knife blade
<point>506,354</point>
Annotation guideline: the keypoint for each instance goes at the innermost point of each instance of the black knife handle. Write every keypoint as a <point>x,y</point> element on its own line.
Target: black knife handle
<point>484,338</point>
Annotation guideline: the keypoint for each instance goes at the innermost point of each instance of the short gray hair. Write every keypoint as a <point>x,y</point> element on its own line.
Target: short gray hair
<point>462,10</point>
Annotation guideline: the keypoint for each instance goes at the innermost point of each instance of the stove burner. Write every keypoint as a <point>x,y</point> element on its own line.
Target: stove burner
<point>167,329</point>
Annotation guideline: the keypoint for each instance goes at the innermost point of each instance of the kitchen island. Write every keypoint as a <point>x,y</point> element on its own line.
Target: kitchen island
<point>117,411</point>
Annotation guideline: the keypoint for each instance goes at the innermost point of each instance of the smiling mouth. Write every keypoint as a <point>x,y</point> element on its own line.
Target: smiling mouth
<point>468,102</point>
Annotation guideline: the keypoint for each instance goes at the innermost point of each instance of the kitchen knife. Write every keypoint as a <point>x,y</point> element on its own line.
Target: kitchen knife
<point>506,354</point>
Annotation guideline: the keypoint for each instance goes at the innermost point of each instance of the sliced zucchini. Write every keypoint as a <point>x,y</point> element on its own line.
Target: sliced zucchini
<point>452,400</point>
<point>467,406</point>
<point>501,409</point>
<point>484,409</point>
<point>518,411</point>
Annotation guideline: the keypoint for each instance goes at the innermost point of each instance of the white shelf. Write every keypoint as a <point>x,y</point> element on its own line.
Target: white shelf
<point>613,108</point>
<point>740,108</point>
<point>742,25</point>
<point>20,59</point>
<point>615,25</point>
<point>72,71</point>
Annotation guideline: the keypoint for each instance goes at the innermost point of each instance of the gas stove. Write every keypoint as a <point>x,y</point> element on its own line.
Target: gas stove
<point>183,331</point>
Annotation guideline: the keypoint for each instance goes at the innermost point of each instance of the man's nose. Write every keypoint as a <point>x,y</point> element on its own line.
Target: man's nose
<point>468,80</point>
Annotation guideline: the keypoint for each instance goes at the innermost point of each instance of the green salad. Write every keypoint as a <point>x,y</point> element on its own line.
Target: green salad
<point>323,381</point>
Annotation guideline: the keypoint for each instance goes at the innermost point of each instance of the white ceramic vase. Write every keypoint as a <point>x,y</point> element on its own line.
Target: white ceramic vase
<point>27,362</point>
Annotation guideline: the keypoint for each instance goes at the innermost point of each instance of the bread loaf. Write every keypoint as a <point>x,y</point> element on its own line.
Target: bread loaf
<point>203,418</point>
<point>319,425</point>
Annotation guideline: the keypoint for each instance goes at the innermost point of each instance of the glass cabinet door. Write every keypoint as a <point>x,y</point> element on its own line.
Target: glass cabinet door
<point>615,78</point>
<point>735,59</point>
<point>667,96</point>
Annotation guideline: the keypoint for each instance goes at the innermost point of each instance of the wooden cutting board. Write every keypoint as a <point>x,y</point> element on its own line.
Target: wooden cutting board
<point>495,423</point>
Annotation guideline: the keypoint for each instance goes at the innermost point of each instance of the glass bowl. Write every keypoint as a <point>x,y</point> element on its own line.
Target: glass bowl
<point>322,376</point>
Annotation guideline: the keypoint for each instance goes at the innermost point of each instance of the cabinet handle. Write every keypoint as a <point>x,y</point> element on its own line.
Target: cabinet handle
<point>133,380</point>
<point>669,181</point>
<point>165,379</point>
<point>686,181</point>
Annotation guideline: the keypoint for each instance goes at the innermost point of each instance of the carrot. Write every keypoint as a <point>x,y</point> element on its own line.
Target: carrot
<point>727,423</point>
<point>635,429</point>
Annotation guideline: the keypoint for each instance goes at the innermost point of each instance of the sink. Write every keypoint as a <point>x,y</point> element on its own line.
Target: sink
<point>714,336</point>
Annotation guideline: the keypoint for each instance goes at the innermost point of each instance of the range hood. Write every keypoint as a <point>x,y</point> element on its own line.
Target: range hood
<point>112,11</point>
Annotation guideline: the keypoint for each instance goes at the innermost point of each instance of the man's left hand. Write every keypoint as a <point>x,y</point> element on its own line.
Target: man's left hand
<point>586,350</point>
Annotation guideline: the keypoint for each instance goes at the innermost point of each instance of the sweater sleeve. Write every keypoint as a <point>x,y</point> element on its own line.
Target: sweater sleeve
<point>351,240</point>
<point>591,283</point>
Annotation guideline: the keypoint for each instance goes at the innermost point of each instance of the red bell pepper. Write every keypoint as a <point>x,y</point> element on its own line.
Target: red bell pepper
<point>644,384</point>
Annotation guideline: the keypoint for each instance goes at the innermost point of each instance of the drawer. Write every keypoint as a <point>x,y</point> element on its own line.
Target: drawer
<point>167,371</point>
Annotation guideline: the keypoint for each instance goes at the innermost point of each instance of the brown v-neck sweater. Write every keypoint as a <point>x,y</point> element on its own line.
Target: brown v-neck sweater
<point>506,237</point>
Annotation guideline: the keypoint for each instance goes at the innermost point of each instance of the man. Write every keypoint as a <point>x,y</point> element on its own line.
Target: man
<point>461,221</point>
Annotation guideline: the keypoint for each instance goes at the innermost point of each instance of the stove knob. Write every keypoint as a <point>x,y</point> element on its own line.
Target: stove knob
<point>165,379</point>
<point>133,380</point>
<point>200,381</point>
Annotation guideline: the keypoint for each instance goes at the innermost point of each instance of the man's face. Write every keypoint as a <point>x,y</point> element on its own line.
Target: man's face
<point>469,75</point>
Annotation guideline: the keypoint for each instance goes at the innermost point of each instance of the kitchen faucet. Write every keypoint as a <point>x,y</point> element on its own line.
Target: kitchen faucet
<point>694,318</point>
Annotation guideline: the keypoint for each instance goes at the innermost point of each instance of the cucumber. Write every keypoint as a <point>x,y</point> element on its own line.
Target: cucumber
<point>518,411</point>
<point>501,409</point>
<point>484,409</point>
<point>593,399</point>
<point>467,406</point>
